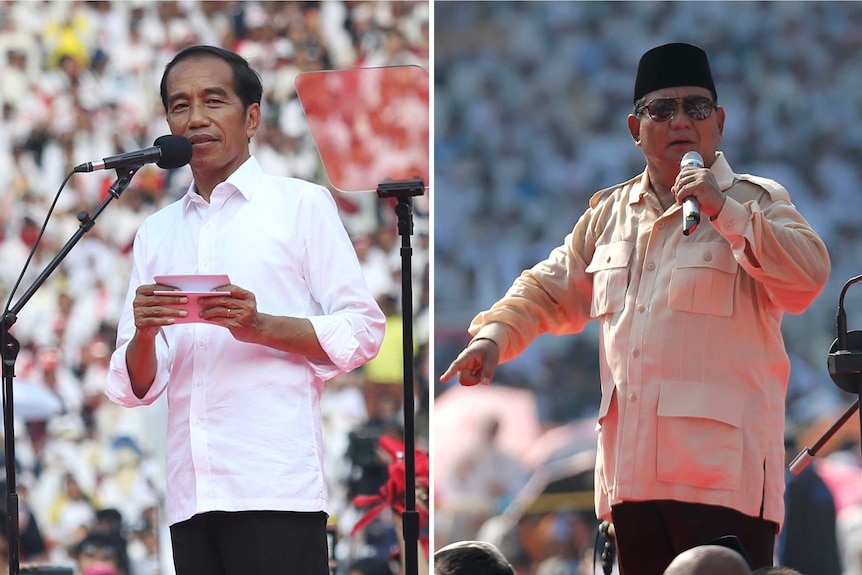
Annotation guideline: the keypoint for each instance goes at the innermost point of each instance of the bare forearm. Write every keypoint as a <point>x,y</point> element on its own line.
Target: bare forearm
<point>141,363</point>
<point>290,334</point>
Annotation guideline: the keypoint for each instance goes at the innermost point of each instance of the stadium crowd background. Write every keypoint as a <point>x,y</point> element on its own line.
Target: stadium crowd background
<point>79,83</point>
<point>529,114</point>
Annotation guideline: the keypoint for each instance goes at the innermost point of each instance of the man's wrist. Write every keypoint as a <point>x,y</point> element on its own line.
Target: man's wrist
<point>483,338</point>
<point>494,331</point>
<point>718,213</point>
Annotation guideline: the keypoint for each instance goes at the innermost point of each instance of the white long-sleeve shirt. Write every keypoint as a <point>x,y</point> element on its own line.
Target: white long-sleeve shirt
<point>244,430</point>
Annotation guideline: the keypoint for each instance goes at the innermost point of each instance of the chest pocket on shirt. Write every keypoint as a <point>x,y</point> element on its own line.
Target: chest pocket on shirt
<point>702,279</point>
<point>610,269</point>
<point>699,435</point>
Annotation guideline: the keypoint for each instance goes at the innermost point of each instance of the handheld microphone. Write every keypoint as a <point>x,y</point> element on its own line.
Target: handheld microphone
<point>168,152</point>
<point>690,206</point>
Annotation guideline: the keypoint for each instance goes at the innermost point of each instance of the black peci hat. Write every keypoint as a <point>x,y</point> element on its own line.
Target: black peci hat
<point>673,65</point>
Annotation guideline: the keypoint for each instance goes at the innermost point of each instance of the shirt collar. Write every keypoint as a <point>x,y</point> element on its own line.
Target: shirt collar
<point>640,190</point>
<point>724,176</point>
<point>244,179</point>
<point>723,173</point>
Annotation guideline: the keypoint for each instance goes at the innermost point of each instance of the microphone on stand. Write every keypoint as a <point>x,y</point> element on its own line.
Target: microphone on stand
<point>844,363</point>
<point>168,152</point>
<point>690,206</point>
<point>845,356</point>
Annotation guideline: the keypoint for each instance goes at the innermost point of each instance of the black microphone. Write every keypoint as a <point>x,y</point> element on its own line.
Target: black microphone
<point>168,152</point>
<point>845,368</point>
<point>845,356</point>
<point>690,206</point>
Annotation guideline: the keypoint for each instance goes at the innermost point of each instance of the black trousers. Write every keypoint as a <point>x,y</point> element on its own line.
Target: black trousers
<point>649,534</point>
<point>244,542</point>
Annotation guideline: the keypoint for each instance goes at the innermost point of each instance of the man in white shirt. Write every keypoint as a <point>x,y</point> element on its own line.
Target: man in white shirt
<point>245,369</point>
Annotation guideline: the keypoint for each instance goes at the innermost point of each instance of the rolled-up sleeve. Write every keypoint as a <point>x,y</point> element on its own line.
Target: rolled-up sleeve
<point>119,385</point>
<point>351,326</point>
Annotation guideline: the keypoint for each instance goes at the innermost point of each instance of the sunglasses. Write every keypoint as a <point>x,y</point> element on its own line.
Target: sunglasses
<point>663,109</point>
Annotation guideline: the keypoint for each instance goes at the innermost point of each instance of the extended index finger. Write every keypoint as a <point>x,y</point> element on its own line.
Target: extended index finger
<point>454,368</point>
<point>469,361</point>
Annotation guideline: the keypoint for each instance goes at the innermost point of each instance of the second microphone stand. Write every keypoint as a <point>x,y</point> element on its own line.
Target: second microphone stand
<point>404,191</point>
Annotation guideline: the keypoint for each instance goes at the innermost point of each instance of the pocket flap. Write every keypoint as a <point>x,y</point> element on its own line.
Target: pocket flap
<point>715,255</point>
<point>680,399</point>
<point>609,256</point>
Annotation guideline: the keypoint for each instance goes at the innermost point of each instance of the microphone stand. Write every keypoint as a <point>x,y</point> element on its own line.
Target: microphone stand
<point>804,457</point>
<point>10,348</point>
<point>404,190</point>
<point>845,368</point>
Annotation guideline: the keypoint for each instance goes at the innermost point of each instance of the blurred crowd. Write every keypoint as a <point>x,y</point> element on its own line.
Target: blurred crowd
<point>529,114</point>
<point>80,83</point>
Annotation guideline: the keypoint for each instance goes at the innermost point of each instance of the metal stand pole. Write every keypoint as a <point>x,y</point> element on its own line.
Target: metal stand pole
<point>10,347</point>
<point>404,192</point>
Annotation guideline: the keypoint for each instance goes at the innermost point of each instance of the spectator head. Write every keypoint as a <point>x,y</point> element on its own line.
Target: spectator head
<point>246,81</point>
<point>97,550</point>
<point>709,560</point>
<point>471,558</point>
<point>109,520</point>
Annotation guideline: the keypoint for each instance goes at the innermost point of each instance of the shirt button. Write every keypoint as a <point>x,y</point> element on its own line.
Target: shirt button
<point>636,353</point>
<point>633,397</point>
<point>707,257</point>
<point>728,225</point>
<point>650,266</point>
<point>202,342</point>
<point>661,225</point>
<point>641,307</point>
